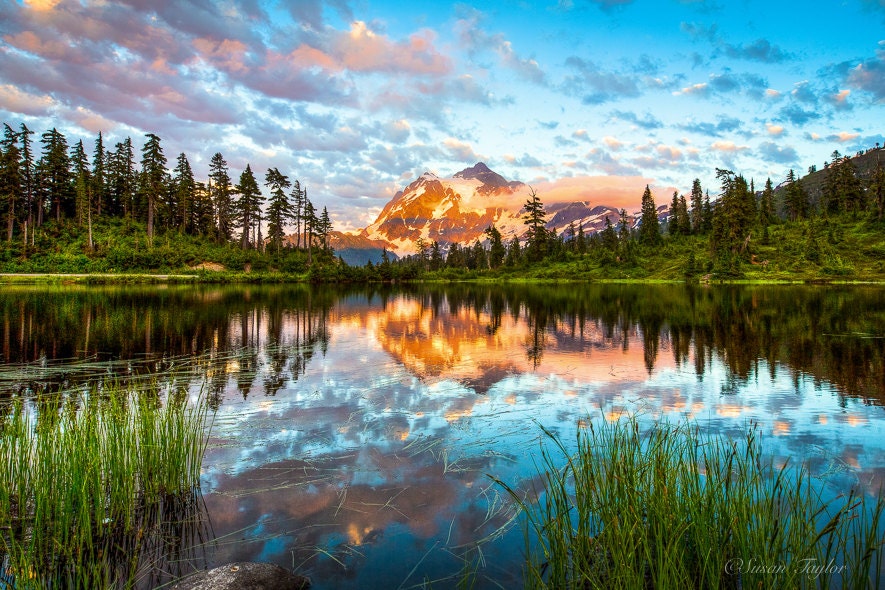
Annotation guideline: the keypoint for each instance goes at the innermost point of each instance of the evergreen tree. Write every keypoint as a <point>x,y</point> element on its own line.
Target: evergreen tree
<point>733,217</point>
<point>310,219</point>
<point>609,237</point>
<point>535,219</point>
<point>221,195</point>
<point>581,245</point>
<point>766,205</point>
<point>674,223</point>
<point>153,179</point>
<point>478,258</point>
<point>684,219</point>
<point>123,178</point>
<point>203,216</point>
<point>795,198</point>
<point>184,189</point>
<point>325,228</point>
<point>279,211</point>
<point>54,170</point>
<point>436,259</point>
<point>497,250</point>
<point>297,199</point>
<point>625,242</point>
<point>455,257</point>
<point>842,189</point>
<point>248,204</point>
<point>514,254</point>
<point>697,207</point>
<point>876,191</point>
<point>99,177</point>
<point>649,231</point>
<point>82,184</point>
<point>28,174</point>
<point>10,178</point>
<point>707,220</point>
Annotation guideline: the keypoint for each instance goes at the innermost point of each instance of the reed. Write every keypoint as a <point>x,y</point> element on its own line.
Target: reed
<point>84,476</point>
<point>668,507</point>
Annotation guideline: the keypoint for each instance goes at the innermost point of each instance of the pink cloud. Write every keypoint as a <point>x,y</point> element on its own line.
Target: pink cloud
<point>614,191</point>
<point>363,50</point>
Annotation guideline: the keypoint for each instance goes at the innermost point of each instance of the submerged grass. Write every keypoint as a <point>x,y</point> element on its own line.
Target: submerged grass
<point>668,507</point>
<point>88,478</point>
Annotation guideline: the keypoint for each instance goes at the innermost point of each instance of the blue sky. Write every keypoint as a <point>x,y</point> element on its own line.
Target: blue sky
<point>355,99</point>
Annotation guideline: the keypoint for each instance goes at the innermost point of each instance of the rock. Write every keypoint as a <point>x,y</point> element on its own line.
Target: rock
<point>244,575</point>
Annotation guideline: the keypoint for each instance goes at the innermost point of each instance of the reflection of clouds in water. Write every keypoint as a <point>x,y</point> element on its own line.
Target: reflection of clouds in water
<point>391,432</point>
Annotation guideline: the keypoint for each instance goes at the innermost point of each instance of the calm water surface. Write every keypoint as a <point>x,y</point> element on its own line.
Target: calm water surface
<point>356,428</point>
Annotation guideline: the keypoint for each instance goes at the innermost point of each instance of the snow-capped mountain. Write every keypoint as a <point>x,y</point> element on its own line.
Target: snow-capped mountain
<point>446,210</point>
<point>459,208</point>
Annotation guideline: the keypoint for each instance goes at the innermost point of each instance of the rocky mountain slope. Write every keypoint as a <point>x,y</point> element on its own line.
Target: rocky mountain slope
<point>459,208</point>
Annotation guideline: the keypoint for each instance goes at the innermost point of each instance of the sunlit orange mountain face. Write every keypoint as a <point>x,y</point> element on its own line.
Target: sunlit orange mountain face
<point>458,209</point>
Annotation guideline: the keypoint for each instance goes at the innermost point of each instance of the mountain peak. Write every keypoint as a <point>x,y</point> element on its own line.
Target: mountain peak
<point>488,177</point>
<point>475,171</point>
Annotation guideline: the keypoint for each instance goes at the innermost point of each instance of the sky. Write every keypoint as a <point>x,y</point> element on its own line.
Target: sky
<point>357,98</point>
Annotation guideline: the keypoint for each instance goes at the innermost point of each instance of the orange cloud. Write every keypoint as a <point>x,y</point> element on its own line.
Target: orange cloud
<point>614,191</point>
<point>728,147</point>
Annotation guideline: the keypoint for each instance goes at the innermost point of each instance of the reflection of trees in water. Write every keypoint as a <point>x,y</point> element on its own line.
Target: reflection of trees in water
<point>258,338</point>
<point>57,336</point>
<point>831,333</point>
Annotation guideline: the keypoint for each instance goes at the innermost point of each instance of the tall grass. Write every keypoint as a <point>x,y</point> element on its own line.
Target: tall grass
<point>666,507</point>
<point>87,478</point>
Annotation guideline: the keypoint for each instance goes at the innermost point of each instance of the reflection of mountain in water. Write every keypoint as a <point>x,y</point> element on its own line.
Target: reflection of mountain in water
<point>261,337</point>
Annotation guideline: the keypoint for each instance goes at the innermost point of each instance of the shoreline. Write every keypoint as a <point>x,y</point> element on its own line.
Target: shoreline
<point>223,278</point>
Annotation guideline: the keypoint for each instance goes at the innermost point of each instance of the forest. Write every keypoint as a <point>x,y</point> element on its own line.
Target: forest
<point>118,211</point>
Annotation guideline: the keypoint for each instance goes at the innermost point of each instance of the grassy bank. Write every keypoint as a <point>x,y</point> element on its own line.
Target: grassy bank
<point>842,248</point>
<point>91,483</point>
<point>670,508</point>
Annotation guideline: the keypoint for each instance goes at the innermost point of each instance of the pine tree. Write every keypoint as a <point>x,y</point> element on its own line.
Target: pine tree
<point>55,173</point>
<point>795,199</point>
<point>184,189</point>
<point>625,242</point>
<point>535,219</point>
<point>733,216</point>
<point>684,219</point>
<point>876,190</point>
<point>82,183</point>
<point>514,254</point>
<point>436,259</point>
<point>248,204</point>
<point>279,211</point>
<point>497,250</point>
<point>297,199</point>
<point>99,176</point>
<point>220,193</point>
<point>28,173</point>
<point>309,217</point>
<point>697,207</point>
<point>153,179</point>
<point>10,178</point>
<point>123,178</point>
<point>325,228</point>
<point>766,204</point>
<point>204,219</point>
<point>649,231</point>
<point>609,237</point>
<point>582,240</point>
<point>674,223</point>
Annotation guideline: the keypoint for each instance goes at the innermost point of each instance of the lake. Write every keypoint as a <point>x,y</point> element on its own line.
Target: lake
<point>357,428</point>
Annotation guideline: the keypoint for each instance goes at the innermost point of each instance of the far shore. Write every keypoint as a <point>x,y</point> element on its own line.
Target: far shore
<point>235,277</point>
